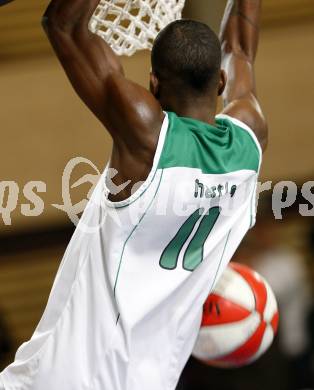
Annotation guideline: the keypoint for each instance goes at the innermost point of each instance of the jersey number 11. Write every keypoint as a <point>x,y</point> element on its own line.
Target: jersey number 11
<point>193,254</point>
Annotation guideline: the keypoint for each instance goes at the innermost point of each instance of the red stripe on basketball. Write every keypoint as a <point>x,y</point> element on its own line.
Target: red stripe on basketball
<point>274,322</point>
<point>219,311</point>
<point>256,284</point>
<point>242,355</point>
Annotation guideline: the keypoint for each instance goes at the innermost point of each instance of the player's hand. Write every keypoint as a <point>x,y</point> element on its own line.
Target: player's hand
<point>4,2</point>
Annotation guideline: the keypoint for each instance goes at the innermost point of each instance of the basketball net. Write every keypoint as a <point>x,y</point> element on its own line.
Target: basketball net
<point>131,25</point>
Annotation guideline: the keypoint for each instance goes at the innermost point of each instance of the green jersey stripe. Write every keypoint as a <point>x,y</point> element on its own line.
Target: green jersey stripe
<point>223,148</point>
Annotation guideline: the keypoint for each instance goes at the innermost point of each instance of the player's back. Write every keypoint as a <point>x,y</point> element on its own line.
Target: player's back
<point>184,225</point>
<point>126,304</point>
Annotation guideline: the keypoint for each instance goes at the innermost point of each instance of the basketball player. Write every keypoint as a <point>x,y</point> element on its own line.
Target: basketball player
<point>126,305</point>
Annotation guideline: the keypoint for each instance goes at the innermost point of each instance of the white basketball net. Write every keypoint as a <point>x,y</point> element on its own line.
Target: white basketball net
<point>131,25</point>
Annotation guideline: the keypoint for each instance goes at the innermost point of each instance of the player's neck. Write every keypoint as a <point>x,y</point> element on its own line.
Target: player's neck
<point>202,108</point>
<point>203,114</point>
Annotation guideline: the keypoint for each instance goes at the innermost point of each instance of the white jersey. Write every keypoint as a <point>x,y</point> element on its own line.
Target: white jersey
<point>126,305</point>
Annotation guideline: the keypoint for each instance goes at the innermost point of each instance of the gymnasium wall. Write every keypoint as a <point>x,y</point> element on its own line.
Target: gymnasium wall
<point>44,124</point>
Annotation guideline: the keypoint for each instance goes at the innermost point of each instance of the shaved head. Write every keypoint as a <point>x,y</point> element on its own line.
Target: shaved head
<point>187,55</point>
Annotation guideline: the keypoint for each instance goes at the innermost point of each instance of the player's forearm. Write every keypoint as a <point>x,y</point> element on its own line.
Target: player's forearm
<point>239,31</point>
<point>66,23</point>
<point>70,14</point>
<point>86,58</point>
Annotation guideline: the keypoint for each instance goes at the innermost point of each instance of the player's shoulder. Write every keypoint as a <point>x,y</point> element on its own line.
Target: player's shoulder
<point>248,111</point>
<point>242,131</point>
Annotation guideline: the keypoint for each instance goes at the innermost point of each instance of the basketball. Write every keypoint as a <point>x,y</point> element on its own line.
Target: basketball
<point>240,319</point>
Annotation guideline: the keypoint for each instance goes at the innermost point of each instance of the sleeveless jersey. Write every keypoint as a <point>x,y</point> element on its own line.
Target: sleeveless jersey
<point>126,305</point>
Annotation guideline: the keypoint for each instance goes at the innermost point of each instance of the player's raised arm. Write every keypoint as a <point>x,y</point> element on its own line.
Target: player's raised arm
<point>239,36</point>
<point>130,113</point>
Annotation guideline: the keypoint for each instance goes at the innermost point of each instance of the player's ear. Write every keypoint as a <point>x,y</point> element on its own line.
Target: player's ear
<point>222,82</point>
<point>154,84</point>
